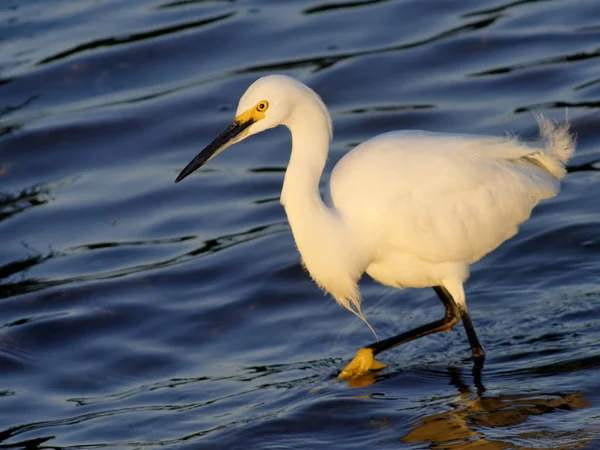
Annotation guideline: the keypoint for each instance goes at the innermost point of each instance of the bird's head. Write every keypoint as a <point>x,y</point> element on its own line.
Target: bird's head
<point>268,102</point>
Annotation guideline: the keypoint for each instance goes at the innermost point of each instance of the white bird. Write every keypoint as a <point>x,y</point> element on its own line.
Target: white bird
<point>409,208</point>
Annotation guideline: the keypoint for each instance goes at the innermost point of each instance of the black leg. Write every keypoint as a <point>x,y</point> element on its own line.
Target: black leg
<point>364,361</point>
<point>445,324</point>
<point>476,348</point>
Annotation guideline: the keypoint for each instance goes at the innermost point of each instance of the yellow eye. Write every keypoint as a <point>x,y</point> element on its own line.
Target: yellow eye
<point>262,106</point>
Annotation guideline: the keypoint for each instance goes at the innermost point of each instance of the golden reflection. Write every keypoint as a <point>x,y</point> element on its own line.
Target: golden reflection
<point>478,421</point>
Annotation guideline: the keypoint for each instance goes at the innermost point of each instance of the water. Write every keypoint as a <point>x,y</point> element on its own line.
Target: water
<point>137,313</point>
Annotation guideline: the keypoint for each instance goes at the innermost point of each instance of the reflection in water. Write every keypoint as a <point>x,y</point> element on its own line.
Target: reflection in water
<point>476,420</point>
<point>472,423</point>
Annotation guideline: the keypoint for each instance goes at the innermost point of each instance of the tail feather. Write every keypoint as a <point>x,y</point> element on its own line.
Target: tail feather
<point>557,146</point>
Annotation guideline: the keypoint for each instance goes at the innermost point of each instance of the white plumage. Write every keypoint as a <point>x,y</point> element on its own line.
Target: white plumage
<point>410,208</point>
<point>434,203</point>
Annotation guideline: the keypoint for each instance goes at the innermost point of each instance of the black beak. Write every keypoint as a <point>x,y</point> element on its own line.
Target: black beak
<point>224,140</point>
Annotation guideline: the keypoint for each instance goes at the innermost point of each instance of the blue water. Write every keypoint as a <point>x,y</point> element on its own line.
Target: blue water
<point>140,314</point>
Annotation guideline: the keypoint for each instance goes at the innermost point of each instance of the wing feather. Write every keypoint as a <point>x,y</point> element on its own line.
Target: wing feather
<point>440,197</point>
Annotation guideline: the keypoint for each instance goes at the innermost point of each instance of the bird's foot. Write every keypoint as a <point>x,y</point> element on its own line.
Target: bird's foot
<point>363,362</point>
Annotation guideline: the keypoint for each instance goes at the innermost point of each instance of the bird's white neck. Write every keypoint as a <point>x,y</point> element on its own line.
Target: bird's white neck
<point>320,234</point>
<point>310,145</point>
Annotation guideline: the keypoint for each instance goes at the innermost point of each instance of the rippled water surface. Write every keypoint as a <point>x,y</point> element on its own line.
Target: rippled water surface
<point>137,313</point>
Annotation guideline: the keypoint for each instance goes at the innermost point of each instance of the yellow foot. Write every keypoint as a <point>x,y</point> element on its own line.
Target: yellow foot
<point>363,362</point>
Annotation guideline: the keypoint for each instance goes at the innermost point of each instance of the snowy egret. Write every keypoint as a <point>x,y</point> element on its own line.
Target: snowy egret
<point>409,208</point>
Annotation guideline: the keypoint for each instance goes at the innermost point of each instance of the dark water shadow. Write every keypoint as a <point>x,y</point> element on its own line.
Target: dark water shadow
<point>9,109</point>
<point>209,246</point>
<point>11,204</point>
<point>387,108</point>
<point>135,37</point>
<point>592,166</point>
<point>250,380</point>
<point>344,5</point>
<point>557,105</point>
<point>502,8</point>
<point>184,3</point>
<point>325,62</point>
<point>575,57</point>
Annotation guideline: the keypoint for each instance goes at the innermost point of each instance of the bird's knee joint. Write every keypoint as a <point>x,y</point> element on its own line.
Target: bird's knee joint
<point>449,323</point>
